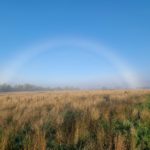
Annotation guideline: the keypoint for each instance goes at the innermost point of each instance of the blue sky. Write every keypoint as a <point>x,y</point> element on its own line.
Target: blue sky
<point>122,26</point>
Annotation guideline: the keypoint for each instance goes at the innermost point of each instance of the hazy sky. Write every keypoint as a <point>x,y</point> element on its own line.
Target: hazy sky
<point>121,26</point>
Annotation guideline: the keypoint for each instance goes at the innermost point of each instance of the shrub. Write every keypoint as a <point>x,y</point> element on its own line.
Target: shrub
<point>124,128</point>
<point>70,118</point>
<point>50,135</point>
<point>1,133</point>
<point>143,136</point>
<point>18,139</point>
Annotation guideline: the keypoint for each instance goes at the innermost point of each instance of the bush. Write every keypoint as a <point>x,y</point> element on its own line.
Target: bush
<point>1,133</point>
<point>143,136</point>
<point>18,139</point>
<point>70,118</point>
<point>124,128</point>
<point>50,135</point>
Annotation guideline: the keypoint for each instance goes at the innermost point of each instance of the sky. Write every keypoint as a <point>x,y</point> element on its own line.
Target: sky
<point>119,28</point>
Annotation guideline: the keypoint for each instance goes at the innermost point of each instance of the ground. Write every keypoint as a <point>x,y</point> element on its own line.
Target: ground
<point>74,120</point>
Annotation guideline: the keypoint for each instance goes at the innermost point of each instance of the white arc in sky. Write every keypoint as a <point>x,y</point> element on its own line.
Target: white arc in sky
<point>126,72</point>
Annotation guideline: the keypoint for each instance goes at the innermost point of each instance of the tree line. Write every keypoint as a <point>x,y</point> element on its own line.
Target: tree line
<point>29,87</point>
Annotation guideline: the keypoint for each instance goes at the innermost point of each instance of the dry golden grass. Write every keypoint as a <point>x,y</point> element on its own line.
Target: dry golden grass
<point>72,119</point>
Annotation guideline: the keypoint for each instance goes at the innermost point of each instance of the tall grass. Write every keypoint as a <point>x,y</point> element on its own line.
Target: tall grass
<point>75,120</point>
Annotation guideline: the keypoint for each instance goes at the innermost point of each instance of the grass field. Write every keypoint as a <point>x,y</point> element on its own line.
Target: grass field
<point>75,120</point>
